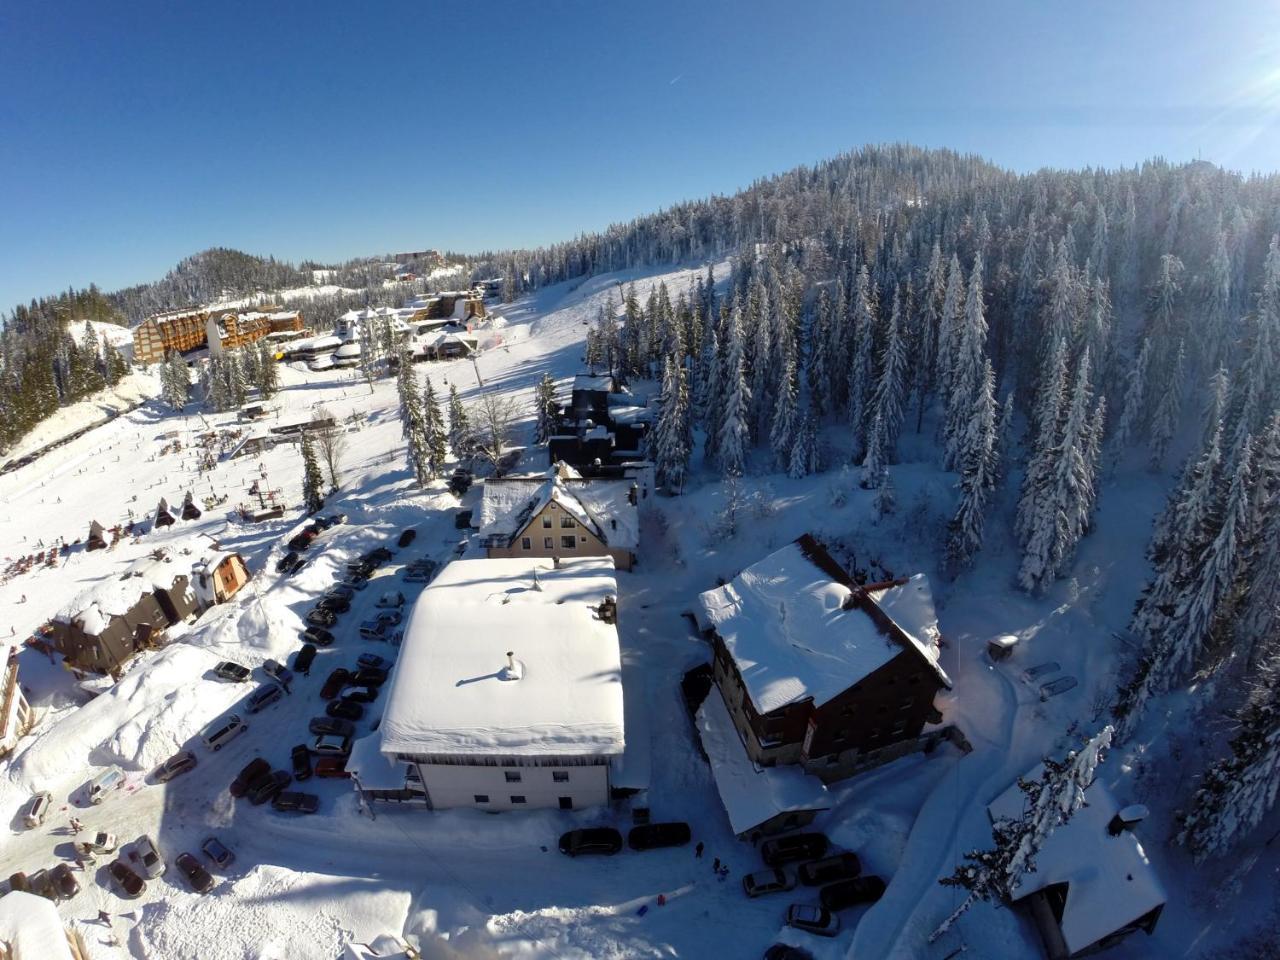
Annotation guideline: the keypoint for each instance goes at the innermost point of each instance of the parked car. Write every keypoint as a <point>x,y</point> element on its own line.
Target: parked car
<point>604,840</point>
<point>217,852</point>
<point>332,744</point>
<point>256,768</point>
<point>295,801</point>
<point>336,604</point>
<point>357,580</point>
<point>331,725</point>
<point>320,617</point>
<point>318,636</point>
<point>361,566</point>
<point>373,660</point>
<point>460,482</point>
<point>298,566</point>
<point>285,564</point>
<point>37,809</point>
<point>344,709</point>
<point>361,694</point>
<point>392,598</point>
<point>278,671</point>
<point>332,768</point>
<point>807,917</point>
<point>334,683</point>
<point>390,617</point>
<point>378,555</point>
<point>301,757</point>
<point>368,677</point>
<point>650,836</point>
<point>100,786</point>
<point>234,672</point>
<point>340,591</point>
<point>179,763</point>
<point>130,884</point>
<point>785,951</point>
<point>262,698</point>
<point>302,540</point>
<point>198,878</point>
<point>19,881</point>
<point>102,842</point>
<point>417,575</point>
<point>849,893</point>
<point>406,537</point>
<point>147,857</point>
<point>841,866</point>
<point>336,519</point>
<point>41,884</point>
<point>374,630</point>
<point>303,659</point>
<point>797,846</point>
<point>267,786</point>
<point>64,881</point>
<point>216,735</point>
<point>767,881</point>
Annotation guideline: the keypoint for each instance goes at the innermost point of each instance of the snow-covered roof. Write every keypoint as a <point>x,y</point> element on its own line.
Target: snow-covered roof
<point>784,621</point>
<point>31,928</point>
<point>1111,882</point>
<point>910,606</point>
<point>588,381</point>
<point>316,343</point>
<point>285,315</point>
<point>347,351</point>
<point>375,770</point>
<point>602,506</point>
<point>115,596</point>
<point>448,695</point>
<point>750,794</point>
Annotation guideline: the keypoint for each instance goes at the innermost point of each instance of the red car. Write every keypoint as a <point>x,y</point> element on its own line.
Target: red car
<point>335,682</point>
<point>254,770</point>
<point>333,767</point>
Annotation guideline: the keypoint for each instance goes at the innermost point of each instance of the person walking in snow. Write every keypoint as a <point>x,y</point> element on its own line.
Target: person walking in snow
<point>104,917</point>
<point>697,851</point>
<point>724,873</point>
<point>715,865</point>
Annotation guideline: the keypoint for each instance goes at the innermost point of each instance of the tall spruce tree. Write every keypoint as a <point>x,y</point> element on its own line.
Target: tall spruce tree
<point>979,465</point>
<point>734,431</point>
<point>437,436</point>
<point>545,408</point>
<point>312,479</point>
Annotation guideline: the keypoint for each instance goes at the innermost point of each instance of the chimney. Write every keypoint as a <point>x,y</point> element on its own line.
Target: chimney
<point>514,670</point>
<point>537,584</point>
<point>1127,819</point>
<point>608,609</point>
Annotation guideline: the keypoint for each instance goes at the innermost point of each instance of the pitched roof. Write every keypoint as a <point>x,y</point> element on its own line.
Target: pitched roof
<point>602,506</point>
<point>799,628</point>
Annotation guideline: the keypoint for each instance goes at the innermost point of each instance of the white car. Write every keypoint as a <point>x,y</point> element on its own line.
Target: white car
<point>147,857</point>
<point>392,598</point>
<point>814,919</point>
<point>37,809</point>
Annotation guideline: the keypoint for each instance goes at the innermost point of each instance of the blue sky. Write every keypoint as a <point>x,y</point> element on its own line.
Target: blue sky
<point>134,134</point>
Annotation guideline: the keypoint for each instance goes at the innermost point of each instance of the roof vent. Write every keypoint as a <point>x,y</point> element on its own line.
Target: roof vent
<point>1127,819</point>
<point>514,669</point>
<point>608,609</point>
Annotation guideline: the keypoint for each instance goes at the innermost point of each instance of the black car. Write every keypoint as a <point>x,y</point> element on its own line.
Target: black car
<point>266,787</point>
<point>650,836</point>
<point>784,951</point>
<point>344,710</point>
<point>336,604</point>
<point>848,893</point>
<point>130,884</point>
<point>302,540</point>
<point>233,672</point>
<point>361,694</point>
<point>177,764</point>
<point>303,659</point>
<point>331,725</point>
<point>322,617</point>
<point>604,840</point>
<point>286,563</point>
<point>318,635</point>
<point>340,590</point>
<point>252,771</point>
<point>369,677</point>
<point>841,866</point>
<point>797,846</point>
<point>378,555</point>
<point>407,537</point>
<point>362,567</point>
<point>294,801</point>
<point>301,762</point>
<point>200,880</point>
<point>334,683</point>
<point>460,482</point>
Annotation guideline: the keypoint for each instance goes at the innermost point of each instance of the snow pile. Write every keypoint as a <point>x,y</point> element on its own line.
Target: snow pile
<point>260,623</point>
<point>279,914</point>
<point>30,928</point>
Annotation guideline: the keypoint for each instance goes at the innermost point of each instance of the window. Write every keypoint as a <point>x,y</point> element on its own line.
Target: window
<point>566,522</point>
<point>613,524</point>
<point>566,803</point>
<point>568,542</point>
<point>547,542</point>
<point>559,776</point>
<point>513,776</point>
<point>546,520</point>
<point>517,798</point>
<point>482,798</point>
<point>526,543</point>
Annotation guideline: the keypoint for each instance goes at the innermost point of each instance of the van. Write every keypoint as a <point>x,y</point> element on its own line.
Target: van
<point>103,783</point>
<point>263,697</point>
<point>222,730</point>
<point>37,809</point>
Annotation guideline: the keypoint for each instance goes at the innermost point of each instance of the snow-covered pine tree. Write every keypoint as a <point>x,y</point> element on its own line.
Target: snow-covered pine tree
<point>890,395</point>
<point>114,366</point>
<point>873,464</point>
<point>1050,802</point>
<point>733,429</point>
<point>407,394</point>
<point>545,408</point>
<point>710,400</point>
<point>1215,407</point>
<point>885,499</point>
<point>312,479</point>
<point>1004,438</point>
<point>933,294</point>
<point>953,308</point>
<point>175,380</point>
<point>268,382</point>
<point>968,343</point>
<point>804,452</point>
<point>858,379</point>
<point>1258,628</point>
<point>1133,415</point>
<point>1044,442</point>
<point>817,363</point>
<point>1168,415</point>
<point>671,437</point>
<point>437,436</point>
<point>1238,791</point>
<point>460,434</point>
<point>786,413</point>
<point>979,465</point>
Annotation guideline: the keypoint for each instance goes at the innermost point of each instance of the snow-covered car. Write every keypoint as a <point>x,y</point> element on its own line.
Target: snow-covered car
<point>807,917</point>
<point>785,951</point>
<point>369,677</point>
<point>277,671</point>
<point>215,850</point>
<point>198,878</point>
<point>129,883</point>
<point>356,581</point>
<point>300,757</point>
<point>797,846</point>
<point>331,744</point>
<point>604,840</point>
<point>301,541</point>
<point>392,598</point>
<point>341,591</point>
<point>373,660</point>
<point>318,636</point>
<point>102,842</point>
<point>390,617</point>
<point>767,881</point>
<point>287,562</point>
<point>336,604</point>
<point>232,672</point>
<point>417,576</point>
<point>146,856</point>
<point>374,630</point>
<point>295,801</point>
<point>178,764</point>
<point>331,725</point>
<point>37,809</point>
<point>848,893</point>
<point>321,617</point>
<point>100,786</point>
<point>344,710</point>
<point>840,866</point>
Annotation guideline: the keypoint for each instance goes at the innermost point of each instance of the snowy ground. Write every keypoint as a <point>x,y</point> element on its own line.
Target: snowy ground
<point>495,885</point>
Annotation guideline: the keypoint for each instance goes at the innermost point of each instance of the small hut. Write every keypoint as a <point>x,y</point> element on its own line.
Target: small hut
<point>164,517</point>
<point>189,509</point>
<point>97,537</point>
